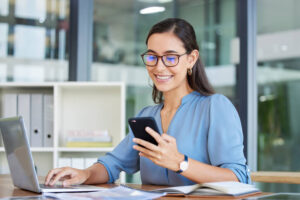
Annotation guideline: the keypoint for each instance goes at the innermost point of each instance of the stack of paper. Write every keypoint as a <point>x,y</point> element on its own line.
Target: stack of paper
<point>85,138</point>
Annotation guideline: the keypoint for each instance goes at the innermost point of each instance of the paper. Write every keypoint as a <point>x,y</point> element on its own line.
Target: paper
<point>39,197</point>
<point>116,193</point>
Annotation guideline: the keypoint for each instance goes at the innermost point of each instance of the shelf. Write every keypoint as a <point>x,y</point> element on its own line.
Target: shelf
<point>68,149</point>
<point>77,106</point>
<point>42,149</point>
<point>35,149</point>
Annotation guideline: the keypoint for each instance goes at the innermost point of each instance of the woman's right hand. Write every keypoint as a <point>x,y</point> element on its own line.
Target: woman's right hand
<point>68,176</point>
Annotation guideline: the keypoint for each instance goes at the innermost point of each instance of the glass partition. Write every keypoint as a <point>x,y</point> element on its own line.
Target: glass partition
<point>33,40</point>
<point>278,76</point>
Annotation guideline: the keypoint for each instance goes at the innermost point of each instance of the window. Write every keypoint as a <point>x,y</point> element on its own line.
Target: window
<point>33,40</point>
<point>278,76</point>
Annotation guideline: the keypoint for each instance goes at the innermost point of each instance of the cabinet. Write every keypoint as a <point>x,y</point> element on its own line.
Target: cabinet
<point>80,106</point>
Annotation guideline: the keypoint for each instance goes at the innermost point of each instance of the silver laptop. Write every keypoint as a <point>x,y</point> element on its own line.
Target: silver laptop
<point>21,163</point>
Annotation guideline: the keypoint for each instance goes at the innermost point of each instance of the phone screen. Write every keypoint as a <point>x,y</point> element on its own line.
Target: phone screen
<point>138,125</point>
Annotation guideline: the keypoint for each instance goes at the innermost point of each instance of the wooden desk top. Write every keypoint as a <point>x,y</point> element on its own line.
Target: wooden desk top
<point>7,189</point>
<point>276,177</point>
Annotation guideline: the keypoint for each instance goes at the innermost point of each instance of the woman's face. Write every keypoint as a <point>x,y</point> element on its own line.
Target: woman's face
<point>169,78</point>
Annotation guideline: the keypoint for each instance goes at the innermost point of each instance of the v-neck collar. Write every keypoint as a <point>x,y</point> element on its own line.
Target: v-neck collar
<point>184,100</point>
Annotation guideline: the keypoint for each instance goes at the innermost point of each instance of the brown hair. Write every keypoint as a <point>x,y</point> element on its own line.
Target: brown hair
<point>198,81</point>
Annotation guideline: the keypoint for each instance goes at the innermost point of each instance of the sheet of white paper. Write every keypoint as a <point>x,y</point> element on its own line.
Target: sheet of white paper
<point>117,193</point>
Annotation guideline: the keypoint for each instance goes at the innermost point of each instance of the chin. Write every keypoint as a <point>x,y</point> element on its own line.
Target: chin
<point>163,88</point>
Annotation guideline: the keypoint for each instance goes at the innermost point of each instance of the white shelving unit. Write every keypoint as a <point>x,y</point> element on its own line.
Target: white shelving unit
<point>76,106</point>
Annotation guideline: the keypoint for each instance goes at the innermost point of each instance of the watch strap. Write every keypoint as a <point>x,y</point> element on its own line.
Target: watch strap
<point>185,159</point>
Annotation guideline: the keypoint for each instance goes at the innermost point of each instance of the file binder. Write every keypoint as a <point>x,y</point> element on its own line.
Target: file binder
<point>64,162</point>
<point>48,120</point>
<point>24,111</point>
<point>9,105</point>
<point>9,108</point>
<point>78,163</point>
<point>36,136</point>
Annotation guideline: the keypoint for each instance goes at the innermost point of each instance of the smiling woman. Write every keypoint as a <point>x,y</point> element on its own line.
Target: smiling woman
<point>200,137</point>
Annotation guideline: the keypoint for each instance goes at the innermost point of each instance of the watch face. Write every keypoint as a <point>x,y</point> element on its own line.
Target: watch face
<point>184,165</point>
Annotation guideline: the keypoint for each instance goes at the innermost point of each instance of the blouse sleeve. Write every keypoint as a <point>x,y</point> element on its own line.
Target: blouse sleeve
<point>225,138</point>
<point>122,158</point>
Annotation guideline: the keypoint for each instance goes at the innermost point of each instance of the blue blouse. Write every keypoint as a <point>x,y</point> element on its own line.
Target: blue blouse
<point>206,128</point>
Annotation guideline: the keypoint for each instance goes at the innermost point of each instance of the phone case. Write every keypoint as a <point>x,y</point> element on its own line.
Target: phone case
<point>138,125</point>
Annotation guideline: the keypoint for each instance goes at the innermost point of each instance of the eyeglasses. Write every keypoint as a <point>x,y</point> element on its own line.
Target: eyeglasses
<point>169,60</point>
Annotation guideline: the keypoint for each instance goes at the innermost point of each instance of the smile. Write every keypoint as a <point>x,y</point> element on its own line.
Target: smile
<point>163,78</point>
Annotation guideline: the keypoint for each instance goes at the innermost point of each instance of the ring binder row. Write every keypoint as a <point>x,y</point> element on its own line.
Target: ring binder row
<point>37,112</point>
<point>79,163</point>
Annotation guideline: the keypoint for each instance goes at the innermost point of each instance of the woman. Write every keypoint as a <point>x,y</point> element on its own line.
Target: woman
<point>202,139</point>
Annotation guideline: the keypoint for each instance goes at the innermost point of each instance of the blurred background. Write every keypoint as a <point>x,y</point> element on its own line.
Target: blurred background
<point>34,47</point>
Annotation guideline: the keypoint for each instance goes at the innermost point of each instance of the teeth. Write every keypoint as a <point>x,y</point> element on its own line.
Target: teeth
<point>163,77</point>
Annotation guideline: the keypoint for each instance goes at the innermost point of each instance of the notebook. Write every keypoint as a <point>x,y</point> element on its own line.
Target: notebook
<point>228,188</point>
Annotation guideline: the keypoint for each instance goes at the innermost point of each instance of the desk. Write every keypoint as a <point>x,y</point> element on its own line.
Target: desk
<point>276,177</point>
<point>7,189</point>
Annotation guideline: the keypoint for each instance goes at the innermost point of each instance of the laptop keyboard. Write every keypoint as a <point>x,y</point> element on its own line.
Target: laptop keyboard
<point>53,186</point>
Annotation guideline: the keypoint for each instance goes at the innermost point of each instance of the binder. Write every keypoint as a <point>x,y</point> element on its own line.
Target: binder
<point>48,121</point>
<point>78,163</point>
<point>36,137</point>
<point>24,111</point>
<point>89,162</point>
<point>9,107</point>
<point>64,162</point>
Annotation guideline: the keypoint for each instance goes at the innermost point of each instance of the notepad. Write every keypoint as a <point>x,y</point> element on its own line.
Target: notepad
<point>228,188</point>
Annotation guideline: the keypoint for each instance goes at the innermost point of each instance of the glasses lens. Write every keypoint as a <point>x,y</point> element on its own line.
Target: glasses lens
<point>150,59</point>
<point>170,60</point>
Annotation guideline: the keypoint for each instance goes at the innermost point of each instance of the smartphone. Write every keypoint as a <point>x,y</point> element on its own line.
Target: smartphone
<point>138,125</point>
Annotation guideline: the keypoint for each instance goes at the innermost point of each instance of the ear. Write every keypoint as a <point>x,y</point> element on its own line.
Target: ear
<point>193,57</point>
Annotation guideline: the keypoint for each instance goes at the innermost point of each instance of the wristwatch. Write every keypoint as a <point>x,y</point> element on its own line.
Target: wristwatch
<point>183,165</point>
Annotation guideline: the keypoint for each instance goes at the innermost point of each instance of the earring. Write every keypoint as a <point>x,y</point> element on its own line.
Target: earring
<point>189,71</point>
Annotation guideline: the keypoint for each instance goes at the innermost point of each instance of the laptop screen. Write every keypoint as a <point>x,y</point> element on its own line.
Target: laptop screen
<point>18,153</point>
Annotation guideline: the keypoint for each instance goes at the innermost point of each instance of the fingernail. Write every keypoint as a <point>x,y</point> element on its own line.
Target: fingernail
<point>147,128</point>
<point>134,139</point>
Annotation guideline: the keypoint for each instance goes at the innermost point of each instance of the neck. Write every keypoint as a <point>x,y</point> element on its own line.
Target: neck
<point>172,99</point>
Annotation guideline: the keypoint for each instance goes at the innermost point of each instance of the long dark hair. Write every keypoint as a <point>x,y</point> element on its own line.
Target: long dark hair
<point>198,81</point>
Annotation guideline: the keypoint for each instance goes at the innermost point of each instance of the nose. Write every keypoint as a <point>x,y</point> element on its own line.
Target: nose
<point>160,65</point>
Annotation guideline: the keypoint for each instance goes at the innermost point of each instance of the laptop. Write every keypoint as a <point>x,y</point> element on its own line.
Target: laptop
<point>20,160</point>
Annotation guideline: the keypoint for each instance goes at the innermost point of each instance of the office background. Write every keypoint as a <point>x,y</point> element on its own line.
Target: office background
<point>39,43</point>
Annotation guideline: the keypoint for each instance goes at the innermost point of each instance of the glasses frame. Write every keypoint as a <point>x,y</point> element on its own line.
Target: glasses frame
<point>161,57</point>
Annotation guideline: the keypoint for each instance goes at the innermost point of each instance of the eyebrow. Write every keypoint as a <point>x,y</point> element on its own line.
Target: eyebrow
<point>169,51</point>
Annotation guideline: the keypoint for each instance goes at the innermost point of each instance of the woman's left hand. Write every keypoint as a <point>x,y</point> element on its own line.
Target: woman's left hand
<point>165,154</point>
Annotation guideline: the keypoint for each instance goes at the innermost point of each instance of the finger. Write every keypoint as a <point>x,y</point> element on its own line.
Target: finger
<point>153,159</point>
<point>168,138</point>
<point>71,181</point>
<point>65,178</point>
<point>51,174</point>
<point>65,172</point>
<point>144,150</point>
<point>146,144</point>
<point>154,134</point>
